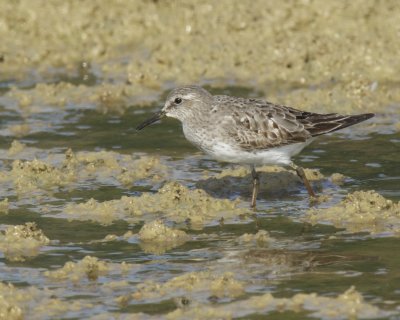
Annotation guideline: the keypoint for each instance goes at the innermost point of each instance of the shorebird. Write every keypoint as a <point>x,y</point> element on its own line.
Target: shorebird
<point>248,131</point>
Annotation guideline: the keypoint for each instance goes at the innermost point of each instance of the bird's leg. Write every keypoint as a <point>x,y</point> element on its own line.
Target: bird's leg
<point>256,186</point>
<point>300,172</point>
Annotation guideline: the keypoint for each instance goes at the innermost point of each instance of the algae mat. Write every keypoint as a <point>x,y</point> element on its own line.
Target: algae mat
<point>98,222</point>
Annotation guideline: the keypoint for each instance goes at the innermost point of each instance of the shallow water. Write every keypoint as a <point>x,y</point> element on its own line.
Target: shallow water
<point>301,258</point>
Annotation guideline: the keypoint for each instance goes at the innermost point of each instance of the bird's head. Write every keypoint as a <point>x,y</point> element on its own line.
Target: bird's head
<point>180,104</point>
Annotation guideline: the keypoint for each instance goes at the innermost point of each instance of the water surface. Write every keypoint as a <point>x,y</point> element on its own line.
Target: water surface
<point>302,259</point>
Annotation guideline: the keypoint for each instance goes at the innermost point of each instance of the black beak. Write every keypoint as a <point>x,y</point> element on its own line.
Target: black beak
<point>157,116</point>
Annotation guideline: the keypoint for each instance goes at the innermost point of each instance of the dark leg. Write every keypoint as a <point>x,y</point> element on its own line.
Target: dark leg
<point>300,172</point>
<point>256,186</point>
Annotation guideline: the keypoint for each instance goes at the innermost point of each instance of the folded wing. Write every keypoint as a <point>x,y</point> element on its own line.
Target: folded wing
<point>257,124</point>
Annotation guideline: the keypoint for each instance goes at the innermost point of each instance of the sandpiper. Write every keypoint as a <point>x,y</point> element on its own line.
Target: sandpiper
<point>248,131</point>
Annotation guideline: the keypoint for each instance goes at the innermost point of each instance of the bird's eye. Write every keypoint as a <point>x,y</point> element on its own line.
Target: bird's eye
<point>178,100</point>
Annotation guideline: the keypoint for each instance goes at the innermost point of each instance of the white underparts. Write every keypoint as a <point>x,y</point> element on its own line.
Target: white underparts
<point>230,152</point>
<point>278,155</point>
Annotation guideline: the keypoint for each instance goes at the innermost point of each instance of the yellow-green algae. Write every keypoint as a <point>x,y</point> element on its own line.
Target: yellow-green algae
<point>22,242</point>
<point>220,286</point>
<point>4,206</point>
<point>156,237</point>
<point>108,164</point>
<point>348,305</point>
<point>346,51</point>
<point>105,97</point>
<point>361,211</point>
<point>174,201</point>
<point>113,237</point>
<point>19,130</point>
<point>338,178</point>
<point>89,268</point>
<point>261,238</point>
<point>48,174</point>
<point>16,147</point>
<point>29,176</point>
<point>33,303</point>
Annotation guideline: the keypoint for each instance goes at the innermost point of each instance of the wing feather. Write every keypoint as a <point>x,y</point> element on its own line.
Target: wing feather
<point>257,124</point>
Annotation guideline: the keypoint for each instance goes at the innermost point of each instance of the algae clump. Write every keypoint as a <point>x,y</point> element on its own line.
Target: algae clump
<point>89,268</point>
<point>361,211</point>
<point>174,201</point>
<point>22,242</point>
<point>156,237</point>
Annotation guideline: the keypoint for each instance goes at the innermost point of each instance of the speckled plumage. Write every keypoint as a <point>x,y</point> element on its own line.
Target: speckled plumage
<point>248,127</point>
<point>247,131</point>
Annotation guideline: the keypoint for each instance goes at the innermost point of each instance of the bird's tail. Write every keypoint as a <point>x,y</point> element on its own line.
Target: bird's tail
<point>324,123</point>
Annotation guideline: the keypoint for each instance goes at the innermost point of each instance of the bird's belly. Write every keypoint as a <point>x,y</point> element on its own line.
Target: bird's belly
<point>227,152</point>
<point>273,156</point>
